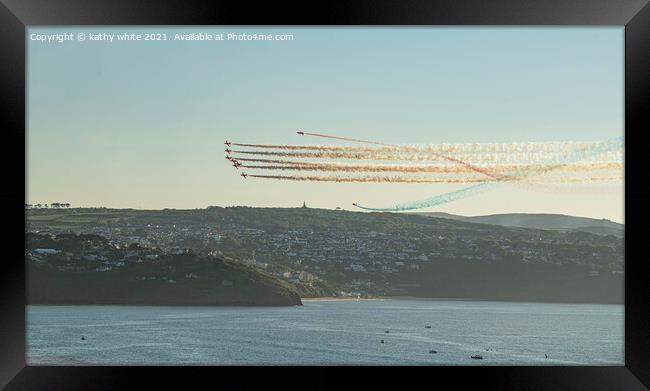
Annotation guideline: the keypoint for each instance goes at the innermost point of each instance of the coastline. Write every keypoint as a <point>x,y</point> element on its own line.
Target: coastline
<point>382,298</point>
<point>335,298</point>
<point>418,298</point>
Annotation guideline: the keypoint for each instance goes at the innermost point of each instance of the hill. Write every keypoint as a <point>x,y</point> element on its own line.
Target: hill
<point>87,269</point>
<point>321,252</point>
<point>540,221</point>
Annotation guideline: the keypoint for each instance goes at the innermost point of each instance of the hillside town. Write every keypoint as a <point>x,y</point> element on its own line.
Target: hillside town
<point>357,257</point>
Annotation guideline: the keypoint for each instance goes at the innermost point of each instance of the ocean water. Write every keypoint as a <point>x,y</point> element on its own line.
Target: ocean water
<point>329,332</point>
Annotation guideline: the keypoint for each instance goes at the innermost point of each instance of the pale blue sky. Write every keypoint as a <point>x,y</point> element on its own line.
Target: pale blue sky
<point>142,124</point>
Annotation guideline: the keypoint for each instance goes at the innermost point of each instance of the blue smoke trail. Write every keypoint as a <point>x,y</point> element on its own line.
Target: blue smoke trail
<point>436,200</point>
<point>607,146</point>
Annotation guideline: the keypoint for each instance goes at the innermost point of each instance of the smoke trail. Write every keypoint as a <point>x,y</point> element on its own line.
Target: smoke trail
<point>368,155</point>
<point>526,152</point>
<point>436,200</point>
<point>465,192</point>
<point>294,147</point>
<point>360,168</point>
<point>344,138</point>
<point>461,148</point>
<point>440,199</point>
<point>575,179</point>
<point>433,148</point>
<point>537,168</point>
<point>312,155</point>
<point>437,155</point>
<point>277,161</point>
<point>552,146</point>
<point>613,149</point>
<point>369,179</point>
<point>401,179</point>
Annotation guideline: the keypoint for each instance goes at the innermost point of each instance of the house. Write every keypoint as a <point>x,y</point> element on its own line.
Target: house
<point>305,276</point>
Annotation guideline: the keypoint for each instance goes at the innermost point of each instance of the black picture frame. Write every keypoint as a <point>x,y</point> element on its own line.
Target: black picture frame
<point>15,15</point>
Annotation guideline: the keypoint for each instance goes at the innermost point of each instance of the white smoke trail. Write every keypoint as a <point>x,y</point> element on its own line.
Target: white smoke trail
<point>309,166</point>
<point>447,180</point>
<point>463,155</point>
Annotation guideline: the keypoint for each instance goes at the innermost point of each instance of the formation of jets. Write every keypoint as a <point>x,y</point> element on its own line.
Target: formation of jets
<point>235,163</point>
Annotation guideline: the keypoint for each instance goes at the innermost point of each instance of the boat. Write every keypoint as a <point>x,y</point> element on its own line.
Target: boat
<point>477,357</point>
<point>432,352</point>
<point>427,326</point>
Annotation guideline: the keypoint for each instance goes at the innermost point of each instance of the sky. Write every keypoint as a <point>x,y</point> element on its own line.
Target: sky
<point>142,124</point>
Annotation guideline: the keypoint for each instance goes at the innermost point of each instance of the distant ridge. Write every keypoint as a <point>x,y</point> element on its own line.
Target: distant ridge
<point>540,221</point>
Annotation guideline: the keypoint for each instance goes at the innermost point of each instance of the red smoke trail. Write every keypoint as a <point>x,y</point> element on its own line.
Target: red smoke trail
<point>400,179</point>
<point>449,158</point>
<point>531,169</point>
<point>274,161</point>
<point>347,139</point>
<point>393,179</point>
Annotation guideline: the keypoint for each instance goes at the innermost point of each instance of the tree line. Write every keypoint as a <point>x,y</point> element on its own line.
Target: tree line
<point>55,205</point>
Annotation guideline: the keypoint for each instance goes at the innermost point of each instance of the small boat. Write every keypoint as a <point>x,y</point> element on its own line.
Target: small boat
<point>83,338</point>
<point>432,352</point>
<point>382,341</point>
<point>477,357</point>
<point>427,326</point>
<point>387,331</point>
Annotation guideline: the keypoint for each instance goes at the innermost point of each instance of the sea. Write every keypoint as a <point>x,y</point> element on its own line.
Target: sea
<point>329,332</point>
